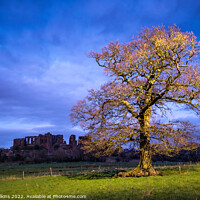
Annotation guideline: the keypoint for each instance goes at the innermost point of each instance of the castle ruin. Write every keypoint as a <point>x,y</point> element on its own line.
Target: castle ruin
<point>47,141</point>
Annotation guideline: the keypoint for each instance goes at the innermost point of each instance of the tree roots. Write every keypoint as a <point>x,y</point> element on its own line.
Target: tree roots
<point>138,172</point>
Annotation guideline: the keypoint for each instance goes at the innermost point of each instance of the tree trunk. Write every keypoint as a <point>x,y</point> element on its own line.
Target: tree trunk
<point>144,167</point>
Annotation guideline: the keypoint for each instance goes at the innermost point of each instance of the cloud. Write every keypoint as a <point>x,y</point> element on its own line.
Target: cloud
<point>43,103</point>
<point>44,68</point>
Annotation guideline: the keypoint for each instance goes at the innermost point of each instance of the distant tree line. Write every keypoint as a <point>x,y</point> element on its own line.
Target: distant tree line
<point>41,155</point>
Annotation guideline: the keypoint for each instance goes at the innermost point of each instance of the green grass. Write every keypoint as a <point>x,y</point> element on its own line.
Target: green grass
<point>101,185</point>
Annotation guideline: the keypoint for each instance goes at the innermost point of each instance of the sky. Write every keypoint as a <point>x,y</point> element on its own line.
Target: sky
<point>44,67</point>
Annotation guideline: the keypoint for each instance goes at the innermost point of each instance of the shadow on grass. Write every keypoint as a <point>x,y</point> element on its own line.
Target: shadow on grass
<point>113,174</point>
<point>164,171</point>
<point>95,175</point>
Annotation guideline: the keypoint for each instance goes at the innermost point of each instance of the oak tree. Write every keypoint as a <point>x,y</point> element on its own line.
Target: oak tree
<point>149,76</point>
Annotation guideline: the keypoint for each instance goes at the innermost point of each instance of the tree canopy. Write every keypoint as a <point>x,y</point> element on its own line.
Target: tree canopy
<point>149,76</point>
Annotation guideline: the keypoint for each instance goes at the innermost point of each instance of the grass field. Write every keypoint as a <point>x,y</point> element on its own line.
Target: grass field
<point>101,185</point>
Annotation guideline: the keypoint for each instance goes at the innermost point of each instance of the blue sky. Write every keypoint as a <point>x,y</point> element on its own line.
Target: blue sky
<point>44,68</point>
